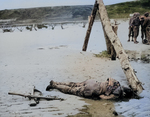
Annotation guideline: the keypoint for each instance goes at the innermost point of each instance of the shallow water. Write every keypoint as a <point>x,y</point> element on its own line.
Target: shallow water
<point>138,107</point>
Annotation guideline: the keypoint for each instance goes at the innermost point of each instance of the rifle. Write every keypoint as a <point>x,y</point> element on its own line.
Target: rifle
<point>36,98</point>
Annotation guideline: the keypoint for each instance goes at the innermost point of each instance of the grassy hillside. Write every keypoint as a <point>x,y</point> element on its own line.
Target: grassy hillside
<point>122,10</point>
<point>48,13</point>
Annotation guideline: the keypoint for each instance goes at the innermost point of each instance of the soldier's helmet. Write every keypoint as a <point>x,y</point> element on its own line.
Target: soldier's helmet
<point>146,14</point>
<point>123,92</point>
<point>136,14</point>
<point>142,18</point>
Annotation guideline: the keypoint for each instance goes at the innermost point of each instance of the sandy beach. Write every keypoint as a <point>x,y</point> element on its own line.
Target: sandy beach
<point>33,58</point>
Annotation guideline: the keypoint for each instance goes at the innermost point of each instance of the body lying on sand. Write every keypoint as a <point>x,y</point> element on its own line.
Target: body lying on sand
<point>134,23</point>
<point>111,89</point>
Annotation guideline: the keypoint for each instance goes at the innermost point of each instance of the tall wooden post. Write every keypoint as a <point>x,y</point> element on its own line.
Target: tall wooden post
<point>110,48</point>
<point>91,21</point>
<point>134,83</point>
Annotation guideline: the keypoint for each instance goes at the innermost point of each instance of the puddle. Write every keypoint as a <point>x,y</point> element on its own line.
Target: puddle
<point>98,108</point>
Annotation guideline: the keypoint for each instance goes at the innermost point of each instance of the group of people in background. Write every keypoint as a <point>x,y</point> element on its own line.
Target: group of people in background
<point>135,22</point>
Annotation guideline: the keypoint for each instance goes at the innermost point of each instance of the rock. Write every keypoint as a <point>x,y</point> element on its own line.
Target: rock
<point>115,113</point>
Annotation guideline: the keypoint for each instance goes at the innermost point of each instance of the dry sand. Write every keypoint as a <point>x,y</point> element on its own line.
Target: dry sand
<point>34,58</point>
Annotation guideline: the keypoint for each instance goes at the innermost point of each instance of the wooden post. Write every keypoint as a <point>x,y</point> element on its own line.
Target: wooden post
<point>110,47</point>
<point>134,83</point>
<point>92,18</point>
<point>113,52</point>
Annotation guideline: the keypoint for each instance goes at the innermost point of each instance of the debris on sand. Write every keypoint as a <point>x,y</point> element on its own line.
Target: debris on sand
<point>144,56</point>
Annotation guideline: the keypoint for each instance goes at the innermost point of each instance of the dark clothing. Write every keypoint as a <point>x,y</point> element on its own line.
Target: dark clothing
<point>147,22</point>
<point>142,19</point>
<point>131,33</point>
<point>143,29</point>
<point>147,25</point>
<point>148,35</point>
<point>136,22</point>
<point>131,21</point>
<point>143,33</point>
<point>136,31</point>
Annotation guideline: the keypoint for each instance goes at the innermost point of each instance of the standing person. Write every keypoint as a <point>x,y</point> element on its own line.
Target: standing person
<point>131,33</point>
<point>136,22</point>
<point>143,29</point>
<point>111,89</point>
<point>147,25</point>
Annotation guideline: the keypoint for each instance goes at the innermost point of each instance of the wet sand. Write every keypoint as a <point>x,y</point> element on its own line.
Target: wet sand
<point>34,58</point>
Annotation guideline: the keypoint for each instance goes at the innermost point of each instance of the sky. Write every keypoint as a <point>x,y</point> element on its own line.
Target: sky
<point>15,4</point>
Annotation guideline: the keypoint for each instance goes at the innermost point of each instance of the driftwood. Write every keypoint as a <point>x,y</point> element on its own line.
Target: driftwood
<point>91,21</point>
<point>134,83</point>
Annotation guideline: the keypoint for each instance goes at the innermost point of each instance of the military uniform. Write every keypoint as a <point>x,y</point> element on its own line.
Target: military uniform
<point>147,25</point>
<point>143,27</point>
<point>131,33</point>
<point>89,88</point>
<point>136,23</point>
<point>143,30</point>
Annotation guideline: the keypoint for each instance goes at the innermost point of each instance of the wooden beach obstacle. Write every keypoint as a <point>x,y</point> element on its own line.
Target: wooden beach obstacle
<point>113,45</point>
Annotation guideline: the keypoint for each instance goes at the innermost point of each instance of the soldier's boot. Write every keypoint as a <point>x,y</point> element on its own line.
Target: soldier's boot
<point>51,85</point>
<point>148,43</point>
<point>129,39</point>
<point>132,39</point>
<point>135,41</point>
